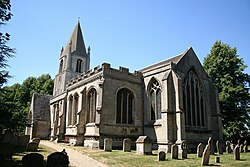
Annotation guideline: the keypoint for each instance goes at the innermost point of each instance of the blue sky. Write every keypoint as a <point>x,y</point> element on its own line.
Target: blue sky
<point>129,33</point>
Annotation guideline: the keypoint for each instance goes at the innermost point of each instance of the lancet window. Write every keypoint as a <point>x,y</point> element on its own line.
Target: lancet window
<point>194,104</point>
<point>155,99</point>
<point>61,66</point>
<point>79,65</point>
<point>125,106</point>
<point>92,96</point>
<point>73,109</point>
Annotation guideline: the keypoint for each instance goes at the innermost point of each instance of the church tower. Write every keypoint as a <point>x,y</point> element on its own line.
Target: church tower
<point>73,60</point>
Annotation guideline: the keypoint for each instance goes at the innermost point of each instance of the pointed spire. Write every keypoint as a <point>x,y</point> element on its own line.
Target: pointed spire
<point>76,42</point>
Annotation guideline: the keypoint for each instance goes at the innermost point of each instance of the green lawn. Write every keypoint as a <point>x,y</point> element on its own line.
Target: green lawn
<point>119,158</point>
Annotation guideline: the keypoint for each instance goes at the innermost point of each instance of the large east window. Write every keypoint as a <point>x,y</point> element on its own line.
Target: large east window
<point>193,100</point>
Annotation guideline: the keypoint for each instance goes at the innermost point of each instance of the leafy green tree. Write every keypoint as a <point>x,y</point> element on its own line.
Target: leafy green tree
<point>226,70</point>
<point>15,100</point>
<point>5,51</point>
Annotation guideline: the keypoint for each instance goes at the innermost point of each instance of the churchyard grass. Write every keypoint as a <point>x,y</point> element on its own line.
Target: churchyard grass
<point>19,152</point>
<point>118,158</point>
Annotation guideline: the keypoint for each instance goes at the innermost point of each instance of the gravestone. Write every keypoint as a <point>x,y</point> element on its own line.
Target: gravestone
<point>237,152</point>
<point>174,151</point>
<point>241,148</point>
<point>126,144</point>
<point>228,147</point>
<point>32,146</point>
<point>205,156</point>
<point>184,150</point>
<point>107,144</point>
<point>36,140</point>
<point>245,146</point>
<point>211,145</point>
<point>24,140</point>
<point>217,159</point>
<point>143,145</point>
<point>200,150</point>
<point>218,146</point>
<point>161,156</point>
<point>33,160</point>
<point>58,159</point>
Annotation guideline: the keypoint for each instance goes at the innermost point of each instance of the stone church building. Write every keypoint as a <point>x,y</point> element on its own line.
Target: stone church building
<point>169,101</point>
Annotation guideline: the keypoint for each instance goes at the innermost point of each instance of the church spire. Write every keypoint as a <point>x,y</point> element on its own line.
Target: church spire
<point>76,42</point>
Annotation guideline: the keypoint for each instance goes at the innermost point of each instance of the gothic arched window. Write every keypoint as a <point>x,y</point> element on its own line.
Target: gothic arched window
<point>92,96</point>
<point>79,65</point>
<point>155,99</point>
<point>193,100</point>
<point>125,106</point>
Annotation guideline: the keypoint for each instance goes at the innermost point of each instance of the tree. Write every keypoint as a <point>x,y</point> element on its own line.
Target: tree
<point>15,101</point>
<point>5,51</point>
<point>226,70</point>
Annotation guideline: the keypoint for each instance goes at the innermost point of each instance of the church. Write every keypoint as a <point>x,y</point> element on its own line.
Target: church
<point>168,101</point>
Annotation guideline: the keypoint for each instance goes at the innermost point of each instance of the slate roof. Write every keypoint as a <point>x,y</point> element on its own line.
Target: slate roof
<point>174,59</point>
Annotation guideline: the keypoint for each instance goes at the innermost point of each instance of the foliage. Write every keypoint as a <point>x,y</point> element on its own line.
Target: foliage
<point>5,51</point>
<point>226,70</point>
<point>15,100</point>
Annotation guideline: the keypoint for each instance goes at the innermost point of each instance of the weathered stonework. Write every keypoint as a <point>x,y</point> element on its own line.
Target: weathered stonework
<point>90,105</point>
<point>39,117</point>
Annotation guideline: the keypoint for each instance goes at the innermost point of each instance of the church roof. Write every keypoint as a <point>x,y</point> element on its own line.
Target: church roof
<point>76,41</point>
<point>174,59</point>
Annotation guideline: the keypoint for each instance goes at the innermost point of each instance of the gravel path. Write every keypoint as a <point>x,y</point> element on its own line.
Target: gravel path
<point>76,159</point>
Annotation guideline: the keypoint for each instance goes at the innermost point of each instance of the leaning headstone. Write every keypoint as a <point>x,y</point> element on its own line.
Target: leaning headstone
<point>211,146</point>
<point>245,146</point>
<point>32,146</point>
<point>184,149</point>
<point>205,156</point>
<point>218,146</point>
<point>161,156</point>
<point>200,150</point>
<point>143,145</point>
<point>126,144</point>
<point>58,159</point>
<point>33,160</point>
<point>237,152</point>
<point>107,144</point>
<point>174,151</point>
<point>228,147</point>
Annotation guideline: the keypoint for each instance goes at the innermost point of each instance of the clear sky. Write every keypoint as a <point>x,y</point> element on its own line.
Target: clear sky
<point>129,33</point>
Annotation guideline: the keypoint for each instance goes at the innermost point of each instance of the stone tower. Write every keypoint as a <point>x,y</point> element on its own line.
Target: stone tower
<point>73,60</point>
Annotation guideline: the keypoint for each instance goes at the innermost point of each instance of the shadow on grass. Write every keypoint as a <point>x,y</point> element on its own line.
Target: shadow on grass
<point>20,152</point>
